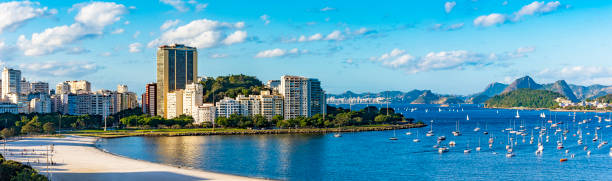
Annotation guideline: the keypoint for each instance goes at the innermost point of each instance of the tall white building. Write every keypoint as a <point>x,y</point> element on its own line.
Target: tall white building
<point>227,106</point>
<point>249,106</point>
<point>302,96</point>
<point>11,82</point>
<point>175,103</point>
<point>192,98</point>
<point>271,104</point>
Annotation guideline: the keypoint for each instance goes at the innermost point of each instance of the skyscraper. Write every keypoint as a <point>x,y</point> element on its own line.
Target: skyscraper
<point>11,82</point>
<point>176,67</point>
<point>302,96</point>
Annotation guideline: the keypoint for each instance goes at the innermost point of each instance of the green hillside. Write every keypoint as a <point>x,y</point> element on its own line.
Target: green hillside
<point>525,98</point>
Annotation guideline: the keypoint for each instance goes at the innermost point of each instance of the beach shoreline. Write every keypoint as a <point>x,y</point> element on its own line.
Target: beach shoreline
<point>78,158</point>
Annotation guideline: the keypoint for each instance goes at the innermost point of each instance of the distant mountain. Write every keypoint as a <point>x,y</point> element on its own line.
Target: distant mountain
<point>413,96</point>
<point>562,88</point>
<point>593,91</point>
<point>522,83</point>
<point>494,89</point>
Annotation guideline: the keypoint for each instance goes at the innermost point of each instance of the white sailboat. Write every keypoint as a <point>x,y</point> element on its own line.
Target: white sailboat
<point>467,149</point>
<point>457,132</point>
<point>430,133</point>
<point>393,138</point>
<point>517,115</point>
<point>417,137</point>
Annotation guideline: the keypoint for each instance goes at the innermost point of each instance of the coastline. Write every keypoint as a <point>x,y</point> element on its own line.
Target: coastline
<point>554,110</point>
<point>196,132</point>
<point>77,158</point>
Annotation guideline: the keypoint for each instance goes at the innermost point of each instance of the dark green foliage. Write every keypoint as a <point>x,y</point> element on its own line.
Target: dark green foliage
<point>144,121</point>
<point>14,171</point>
<point>605,99</point>
<point>525,98</point>
<point>230,86</point>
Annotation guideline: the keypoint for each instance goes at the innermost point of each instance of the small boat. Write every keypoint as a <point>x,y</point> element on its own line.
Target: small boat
<point>442,150</point>
<point>430,132</point>
<point>416,140</point>
<point>563,160</point>
<point>337,135</point>
<point>442,138</point>
<point>393,138</point>
<point>510,154</point>
<point>451,143</point>
<point>408,133</point>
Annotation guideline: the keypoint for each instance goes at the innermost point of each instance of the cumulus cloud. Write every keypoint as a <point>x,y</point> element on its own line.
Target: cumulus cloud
<point>200,7</point>
<point>335,35</point>
<point>579,74</point>
<point>15,13</point>
<point>135,47</point>
<point>489,20</point>
<point>169,24</point>
<point>202,33</point>
<point>177,4</point>
<point>118,31</point>
<point>72,69</point>
<point>277,52</point>
<point>444,60</point>
<point>314,37</point>
<point>265,18</point>
<point>536,8</point>
<point>89,22</point>
<point>236,37</point>
<point>449,5</point>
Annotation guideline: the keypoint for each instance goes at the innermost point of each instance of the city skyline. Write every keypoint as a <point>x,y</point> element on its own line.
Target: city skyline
<point>450,47</point>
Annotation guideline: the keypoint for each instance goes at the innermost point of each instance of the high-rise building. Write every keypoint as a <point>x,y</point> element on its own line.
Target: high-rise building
<point>192,98</point>
<point>39,87</point>
<point>79,86</point>
<point>25,86</point>
<point>249,106</point>
<point>176,67</point>
<point>122,88</point>
<point>271,104</point>
<point>62,88</point>
<point>149,101</point>
<point>11,82</point>
<point>174,104</point>
<point>302,96</point>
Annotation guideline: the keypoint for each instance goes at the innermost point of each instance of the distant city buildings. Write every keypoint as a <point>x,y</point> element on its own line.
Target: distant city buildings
<point>149,99</point>
<point>302,96</point>
<point>563,102</point>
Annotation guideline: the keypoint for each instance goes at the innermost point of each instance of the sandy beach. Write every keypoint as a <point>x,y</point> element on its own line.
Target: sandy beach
<point>76,158</point>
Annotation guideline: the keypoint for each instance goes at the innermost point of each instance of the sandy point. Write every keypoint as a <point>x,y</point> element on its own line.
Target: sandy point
<point>76,158</point>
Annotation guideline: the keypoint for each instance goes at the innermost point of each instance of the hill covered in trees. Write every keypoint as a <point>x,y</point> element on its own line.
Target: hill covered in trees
<point>230,86</point>
<point>605,99</point>
<point>525,98</point>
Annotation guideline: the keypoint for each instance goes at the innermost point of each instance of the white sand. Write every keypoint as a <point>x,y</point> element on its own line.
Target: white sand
<point>76,158</point>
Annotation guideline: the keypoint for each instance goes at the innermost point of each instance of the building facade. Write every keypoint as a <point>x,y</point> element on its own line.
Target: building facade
<point>301,96</point>
<point>149,100</point>
<point>227,106</point>
<point>11,82</point>
<point>176,67</point>
<point>205,113</point>
<point>174,104</point>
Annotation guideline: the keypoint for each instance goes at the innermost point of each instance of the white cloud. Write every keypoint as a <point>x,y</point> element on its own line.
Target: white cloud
<point>200,7</point>
<point>449,5</point>
<point>335,35</point>
<point>536,8</point>
<point>455,26</point>
<point>314,37</point>
<point>169,24</point>
<point>218,55</point>
<point>135,47</point>
<point>265,18</point>
<point>72,69</point>
<point>118,31</point>
<point>6,51</point>
<point>489,20</point>
<point>201,33</point>
<point>277,52</point>
<point>15,13</point>
<point>327,9</point>
<point>444,60</point>
<point>136,34</point>
<point>579,74</point>
<point>177,4</point>
<point>77,50</point>
<point>236,37</point>
<point>89,22</point>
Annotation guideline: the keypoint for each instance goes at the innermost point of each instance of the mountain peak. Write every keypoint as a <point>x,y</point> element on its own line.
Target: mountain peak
<point>522,83</point>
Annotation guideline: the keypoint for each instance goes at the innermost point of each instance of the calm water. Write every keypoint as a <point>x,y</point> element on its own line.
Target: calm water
<point>372,156</point>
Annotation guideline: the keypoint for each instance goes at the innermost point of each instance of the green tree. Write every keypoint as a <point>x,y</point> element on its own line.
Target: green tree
<point>7,132</point>
<point>49,128</point>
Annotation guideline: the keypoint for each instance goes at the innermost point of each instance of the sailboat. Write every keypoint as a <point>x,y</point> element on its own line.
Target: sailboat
<point>393,138</point>
<point>337,135</point>
<point>430,133</point>
<point>478,148</point>
<point>457,132</point>
<point>417,137</point>
<point>510,152</point>
<point>517,115</point>
<point>467,150</point>
<point>477,127</point>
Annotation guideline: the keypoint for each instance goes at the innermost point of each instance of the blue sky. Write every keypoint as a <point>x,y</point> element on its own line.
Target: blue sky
<point>452,47</point>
